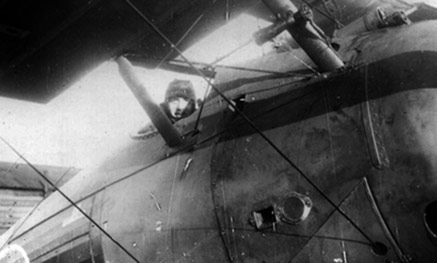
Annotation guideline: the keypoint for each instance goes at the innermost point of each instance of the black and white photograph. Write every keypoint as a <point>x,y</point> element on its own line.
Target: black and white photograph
<point>239,131</point>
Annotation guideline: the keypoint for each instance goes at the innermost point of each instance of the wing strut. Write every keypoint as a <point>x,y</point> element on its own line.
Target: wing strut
<point>170,134</point>
<point>300,24</point>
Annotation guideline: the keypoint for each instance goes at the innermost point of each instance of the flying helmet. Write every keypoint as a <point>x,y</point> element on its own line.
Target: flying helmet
<point>180,88</point>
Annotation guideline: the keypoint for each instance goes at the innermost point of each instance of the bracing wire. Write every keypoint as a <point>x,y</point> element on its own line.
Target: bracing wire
<point>290,52</point>
<point>202,105</point>
<point>70,201</point>
<point>181,39</point>
<point>279,73</point>
<point>333,19</point>
<point>215,62</point>
<point>257,130</point>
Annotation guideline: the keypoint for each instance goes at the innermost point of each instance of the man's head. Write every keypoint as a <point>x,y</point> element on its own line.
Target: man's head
<point>180,99</point>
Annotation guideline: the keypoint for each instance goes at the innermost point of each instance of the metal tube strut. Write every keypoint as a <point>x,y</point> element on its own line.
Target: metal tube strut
<point>306,33</point>
<point>170,134</point>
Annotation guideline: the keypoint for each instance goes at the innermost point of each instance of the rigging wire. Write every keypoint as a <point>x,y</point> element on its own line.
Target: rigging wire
<point>181,39</point>
<point>215,62</point>
<point>257,130</point>
<point>290,52</point>
<point>290,74</point>
<point>330,17</point>
<point>63,175</point>
<point>202,105</point>
<point>70,201</point>
<point>10,167</point>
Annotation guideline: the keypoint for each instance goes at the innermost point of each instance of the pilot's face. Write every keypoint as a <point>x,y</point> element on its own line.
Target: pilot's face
<point>177,106</point>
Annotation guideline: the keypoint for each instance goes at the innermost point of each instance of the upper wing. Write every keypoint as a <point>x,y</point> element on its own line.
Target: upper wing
<point>45,46</point>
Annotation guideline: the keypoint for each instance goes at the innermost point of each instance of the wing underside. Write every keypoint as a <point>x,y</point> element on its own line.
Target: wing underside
<point>46,46</point>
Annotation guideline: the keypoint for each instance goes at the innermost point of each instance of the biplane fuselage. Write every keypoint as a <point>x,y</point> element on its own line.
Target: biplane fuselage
<point>356,181</point>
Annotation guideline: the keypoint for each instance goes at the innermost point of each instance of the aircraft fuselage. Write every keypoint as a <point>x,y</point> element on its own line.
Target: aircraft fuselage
<point>350,178</point>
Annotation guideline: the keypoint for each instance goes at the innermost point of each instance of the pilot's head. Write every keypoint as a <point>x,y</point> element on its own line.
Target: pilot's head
<point>180,99</point>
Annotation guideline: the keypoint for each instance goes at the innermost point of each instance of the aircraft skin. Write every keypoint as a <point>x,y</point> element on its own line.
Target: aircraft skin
<point>363,136</point>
